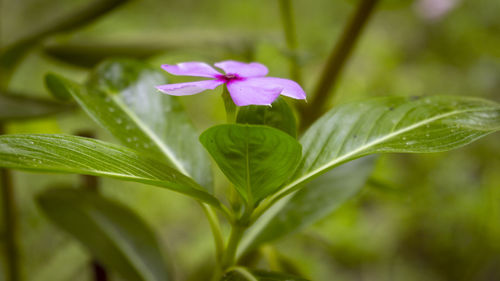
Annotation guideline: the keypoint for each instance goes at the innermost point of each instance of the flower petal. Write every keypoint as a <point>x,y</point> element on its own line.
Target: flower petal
<point>189,88</point>
<point>253,69</point>
<point>200,69</point>
<point>247,92</point>
<point>288,87</point>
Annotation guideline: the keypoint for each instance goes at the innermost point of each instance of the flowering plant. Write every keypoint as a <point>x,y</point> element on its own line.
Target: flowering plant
<point>280,174</point>
<point>274,174</point>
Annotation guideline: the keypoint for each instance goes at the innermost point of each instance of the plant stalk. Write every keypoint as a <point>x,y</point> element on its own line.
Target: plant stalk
<point>229,106</point>
<point>287,17</point>
<point>336,62</point>
<point>229,257</point>
<point>216,231</point>
<point>91,183</point>
<point>10,223</point>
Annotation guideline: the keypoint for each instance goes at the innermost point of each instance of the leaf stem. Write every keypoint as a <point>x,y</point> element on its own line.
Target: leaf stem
<point>336,62</point>
<point>216,230</point>
<point>238,228</point>
<point>10,223</point>
<point>229,106</point>
<point>243,272</point>
<point>229,257</point>
<point>287,17</point>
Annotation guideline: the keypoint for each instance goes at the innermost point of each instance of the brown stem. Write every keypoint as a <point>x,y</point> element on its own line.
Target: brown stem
<point>10,223</point>
<point>100,273</point>
<point>336,62</point>
<point>91,183</point>
<point>289,29</point>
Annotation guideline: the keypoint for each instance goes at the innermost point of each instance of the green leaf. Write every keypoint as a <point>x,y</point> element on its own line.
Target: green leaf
<point>70,154</point>
<point>114,234</point>
<point>256,159</point>
<point>121,96</point>
<point>316,200</point>
<point>394,124</point>
<point>243,274</point>
<point>58,88</point>
<point>17,107</point>
<point>279,116</point>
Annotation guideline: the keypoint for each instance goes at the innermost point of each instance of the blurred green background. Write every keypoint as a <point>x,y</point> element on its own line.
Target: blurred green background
<point>420,217</point>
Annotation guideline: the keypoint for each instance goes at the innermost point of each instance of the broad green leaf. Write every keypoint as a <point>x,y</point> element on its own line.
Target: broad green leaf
<point>393,124</point>
<point>121,96</point>
<point>279,116</point>
<point>316,200</point>
<point>70,154</point>
<point>256,159</point>
<point>16,107</point>
<point>243,274</point>
<point>114,234</point>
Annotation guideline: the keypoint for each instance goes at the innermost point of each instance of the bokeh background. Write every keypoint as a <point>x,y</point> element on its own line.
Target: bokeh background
<point>419,217</point>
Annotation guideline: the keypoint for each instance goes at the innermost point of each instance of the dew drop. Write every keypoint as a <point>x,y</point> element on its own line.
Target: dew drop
<point>427,135</point>
<point>111,109</point>
<point>32,142</point>
<point>128,127</point>
<point>129,139</point>
<point>119,121</point>
<point>146,145</point>
<point>134,138</point>
<point>404,138</point>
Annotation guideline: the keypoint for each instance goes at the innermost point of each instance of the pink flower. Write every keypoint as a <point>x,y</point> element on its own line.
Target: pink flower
<point>246,82</point>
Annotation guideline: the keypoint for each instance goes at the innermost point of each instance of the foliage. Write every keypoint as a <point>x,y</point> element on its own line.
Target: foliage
<point>281,172</point>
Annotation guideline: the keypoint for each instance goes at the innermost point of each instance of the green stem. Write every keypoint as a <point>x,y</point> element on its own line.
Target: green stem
<point>238,228</point>
<point>243,272</point>
<point>10,223</point>
<point>336,62</point>
<point>287,17</point>
<point>229,257</point>
<point>216,230</point>
<point>229,106</point>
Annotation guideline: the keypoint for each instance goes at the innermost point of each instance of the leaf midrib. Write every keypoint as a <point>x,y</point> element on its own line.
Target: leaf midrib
<point>151,181</point>
<point>159,143</point>
<point>247,159</point>
<point>372,143</point>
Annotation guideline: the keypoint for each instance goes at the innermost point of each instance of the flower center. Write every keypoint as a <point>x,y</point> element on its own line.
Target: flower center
<point>228,78</point>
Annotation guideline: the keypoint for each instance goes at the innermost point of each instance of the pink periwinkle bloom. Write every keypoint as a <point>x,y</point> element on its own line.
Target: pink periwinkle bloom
<point>246,82</point>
